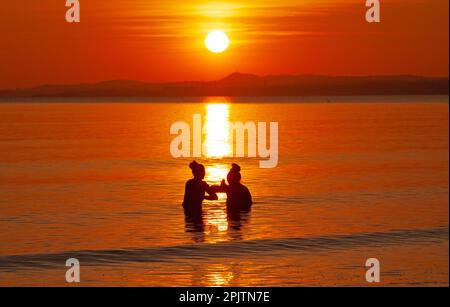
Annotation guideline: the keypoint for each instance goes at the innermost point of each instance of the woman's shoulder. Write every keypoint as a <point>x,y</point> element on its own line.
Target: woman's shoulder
<point>190,182</point>
<point>196,182</point>
<point>204,184</point>
<point>243,187</point>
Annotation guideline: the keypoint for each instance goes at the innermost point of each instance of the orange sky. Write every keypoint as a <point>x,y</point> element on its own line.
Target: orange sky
<point>163,40</point>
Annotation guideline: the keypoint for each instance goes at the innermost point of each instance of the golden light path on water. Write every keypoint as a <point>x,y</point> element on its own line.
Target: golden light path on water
<point>217,139</point>
<point>216,146</point>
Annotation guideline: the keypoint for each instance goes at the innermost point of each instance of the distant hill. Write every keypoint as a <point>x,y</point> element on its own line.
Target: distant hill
<point>244,85</point>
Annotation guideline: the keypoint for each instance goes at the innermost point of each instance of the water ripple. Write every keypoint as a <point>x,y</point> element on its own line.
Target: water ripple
<point>203,251</point>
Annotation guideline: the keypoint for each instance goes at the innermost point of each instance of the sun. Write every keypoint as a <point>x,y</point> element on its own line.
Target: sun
<point>217,41</point>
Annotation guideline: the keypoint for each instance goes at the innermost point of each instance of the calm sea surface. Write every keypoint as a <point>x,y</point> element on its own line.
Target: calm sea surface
<point>97,182</point>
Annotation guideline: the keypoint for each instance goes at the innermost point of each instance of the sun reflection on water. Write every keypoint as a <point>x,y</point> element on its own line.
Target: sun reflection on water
<point>217,131</point>
<point>219,276</point>
<point>216,146</point>
<point>214,175</point>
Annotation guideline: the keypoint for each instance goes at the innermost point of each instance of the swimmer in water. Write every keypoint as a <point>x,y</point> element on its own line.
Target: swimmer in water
<point>195,191</point>
<point>238,195</point>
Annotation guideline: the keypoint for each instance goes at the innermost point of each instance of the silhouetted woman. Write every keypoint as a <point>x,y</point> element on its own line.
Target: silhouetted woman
<point>238,195</point>
<point>195,191</point>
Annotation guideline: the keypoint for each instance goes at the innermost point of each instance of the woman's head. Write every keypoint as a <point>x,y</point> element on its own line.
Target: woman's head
<point>198,170</point>
<point>234,175</point>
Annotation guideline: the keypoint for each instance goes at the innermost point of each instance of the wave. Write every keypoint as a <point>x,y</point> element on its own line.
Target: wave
<point>233,249</point>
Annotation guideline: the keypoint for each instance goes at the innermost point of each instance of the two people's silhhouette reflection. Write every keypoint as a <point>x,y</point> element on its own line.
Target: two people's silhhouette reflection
<point>239,199</point>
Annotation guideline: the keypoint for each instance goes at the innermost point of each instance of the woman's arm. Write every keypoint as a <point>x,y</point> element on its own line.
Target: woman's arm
<point>211,191</point>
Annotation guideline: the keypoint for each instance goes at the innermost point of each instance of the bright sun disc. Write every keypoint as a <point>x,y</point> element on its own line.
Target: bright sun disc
<point>217,41</point>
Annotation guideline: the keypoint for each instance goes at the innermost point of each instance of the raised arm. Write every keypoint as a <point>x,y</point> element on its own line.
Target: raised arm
<point>211,191</point>
<point>222,188</point>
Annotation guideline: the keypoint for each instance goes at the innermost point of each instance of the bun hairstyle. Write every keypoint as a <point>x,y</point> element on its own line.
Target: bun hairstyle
<point>196,168</point>
<point>234,175</point>
<point>193,165</point>
<point>235,168</point>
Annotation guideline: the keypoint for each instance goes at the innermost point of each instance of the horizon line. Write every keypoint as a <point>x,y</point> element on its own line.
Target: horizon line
<point>237,73</point>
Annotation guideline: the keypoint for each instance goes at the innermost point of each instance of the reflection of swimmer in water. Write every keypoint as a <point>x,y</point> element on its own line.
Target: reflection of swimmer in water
<point>238,195</point>
<point>195,190</point>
